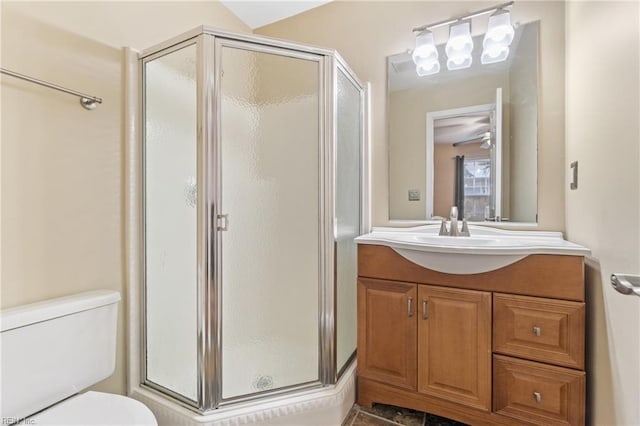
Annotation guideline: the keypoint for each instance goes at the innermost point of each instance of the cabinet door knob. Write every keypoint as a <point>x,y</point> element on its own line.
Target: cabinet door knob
<point>424,309</point>
<point>409,307</point>
<point>537,331</point>
<point>538,397</point>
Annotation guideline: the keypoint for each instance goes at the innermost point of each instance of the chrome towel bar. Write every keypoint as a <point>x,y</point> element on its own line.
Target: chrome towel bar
<point>626,283</point>
<point>87,101</point>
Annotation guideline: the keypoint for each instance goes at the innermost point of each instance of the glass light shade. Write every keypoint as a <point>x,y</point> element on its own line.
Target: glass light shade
<point>499,29</point>
<point>460,41</point>
<point>425,48</point>
<point>493,54</point>
<point>459,61</point>
<point>427,67</point>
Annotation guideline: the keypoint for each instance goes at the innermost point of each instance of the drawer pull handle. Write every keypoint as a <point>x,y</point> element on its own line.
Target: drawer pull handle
<point>537,331</point>
<point>409,307</point>
<point>538,397</point>
<point>424,309</point>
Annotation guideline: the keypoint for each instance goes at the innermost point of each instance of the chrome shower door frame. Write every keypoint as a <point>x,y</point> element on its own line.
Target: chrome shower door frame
<point>215,203</point>
<point>186,41</point>
<point>338,64</point>
<point>209,43</point>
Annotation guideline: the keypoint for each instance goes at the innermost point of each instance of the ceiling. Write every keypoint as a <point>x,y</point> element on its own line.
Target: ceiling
<point>258,13</point>
<point>461,128</point>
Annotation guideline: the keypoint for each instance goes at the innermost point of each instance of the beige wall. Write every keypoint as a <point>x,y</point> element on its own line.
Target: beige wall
<point>603,92</point>
<point>62,166</point>
<point>137,24</point>
<point>366,32</point>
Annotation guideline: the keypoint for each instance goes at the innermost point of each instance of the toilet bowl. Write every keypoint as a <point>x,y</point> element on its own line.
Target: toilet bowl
<point>54,349</point>
<point>96,408</point>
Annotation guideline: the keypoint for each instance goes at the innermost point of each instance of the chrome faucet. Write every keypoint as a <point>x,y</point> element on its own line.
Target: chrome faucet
<point>453,228</point>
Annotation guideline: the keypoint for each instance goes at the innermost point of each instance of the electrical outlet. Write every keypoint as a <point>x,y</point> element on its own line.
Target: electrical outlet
<point>414,195</point>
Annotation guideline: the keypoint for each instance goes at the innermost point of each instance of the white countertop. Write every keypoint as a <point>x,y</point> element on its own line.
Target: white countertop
<point>485,250</point>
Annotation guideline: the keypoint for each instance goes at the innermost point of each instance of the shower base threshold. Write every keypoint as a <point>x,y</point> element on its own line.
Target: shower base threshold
<point>325,406</point>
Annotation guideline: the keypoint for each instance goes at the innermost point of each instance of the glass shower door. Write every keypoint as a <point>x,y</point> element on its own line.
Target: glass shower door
<point>170,217</point>
<point>269,207</point>
<point>348,196</point>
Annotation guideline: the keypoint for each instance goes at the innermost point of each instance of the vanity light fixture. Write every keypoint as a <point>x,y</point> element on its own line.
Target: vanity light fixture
<point>494,54</point>
<point>499,31</point>
<point>425,54</point>
<point>459,46</point>
<point>498,37</point>
<point>428,67</point>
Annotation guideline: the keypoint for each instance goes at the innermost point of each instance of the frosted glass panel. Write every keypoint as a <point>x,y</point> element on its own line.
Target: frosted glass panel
<point>170,220</point>
<point>270,252</point>
<point>347,206</point>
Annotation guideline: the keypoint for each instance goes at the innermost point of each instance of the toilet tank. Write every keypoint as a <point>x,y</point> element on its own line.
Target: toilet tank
<point>54,349</point>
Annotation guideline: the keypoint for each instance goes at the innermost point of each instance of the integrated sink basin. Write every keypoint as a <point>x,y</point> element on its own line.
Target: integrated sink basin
<point>437,240</point>
<point>487,249</point>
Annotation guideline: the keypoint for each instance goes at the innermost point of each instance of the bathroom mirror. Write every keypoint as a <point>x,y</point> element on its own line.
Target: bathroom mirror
<point>465,137</point>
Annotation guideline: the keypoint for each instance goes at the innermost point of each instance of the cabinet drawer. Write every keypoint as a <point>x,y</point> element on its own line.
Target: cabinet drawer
<point>538,393</point>
<point>539,329</point>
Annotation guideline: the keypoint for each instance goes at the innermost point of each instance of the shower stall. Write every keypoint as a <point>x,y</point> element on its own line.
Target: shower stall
<point>251,192</point>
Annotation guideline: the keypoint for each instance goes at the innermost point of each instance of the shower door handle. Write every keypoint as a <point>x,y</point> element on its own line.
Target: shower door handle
<point>223,222</point>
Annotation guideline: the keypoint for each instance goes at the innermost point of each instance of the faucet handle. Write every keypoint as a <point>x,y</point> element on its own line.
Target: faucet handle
<point>443,227</point>
<point>465,228</point>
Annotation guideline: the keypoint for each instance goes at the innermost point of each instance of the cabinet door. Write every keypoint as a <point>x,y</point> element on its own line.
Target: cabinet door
<point>454,345</point>
<point>387,332</point>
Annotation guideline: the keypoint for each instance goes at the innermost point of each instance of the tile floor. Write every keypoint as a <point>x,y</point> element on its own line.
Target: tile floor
<point>385,415</point>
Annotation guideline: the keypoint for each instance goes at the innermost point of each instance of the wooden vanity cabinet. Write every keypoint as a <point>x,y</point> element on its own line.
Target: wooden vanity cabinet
<point>454,345</point>
<point>501,347</point>
<point>539,329</point>
<point>431,339</point>
<point>387,332</point>
<point>538,393</point>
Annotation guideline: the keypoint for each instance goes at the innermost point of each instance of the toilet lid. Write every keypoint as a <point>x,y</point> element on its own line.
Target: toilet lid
<point>96,408</point>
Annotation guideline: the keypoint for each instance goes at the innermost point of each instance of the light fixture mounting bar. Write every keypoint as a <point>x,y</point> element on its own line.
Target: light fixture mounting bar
<point>463,17</point>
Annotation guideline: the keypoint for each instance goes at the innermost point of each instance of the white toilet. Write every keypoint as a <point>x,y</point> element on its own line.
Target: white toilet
<point>54,349</point>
